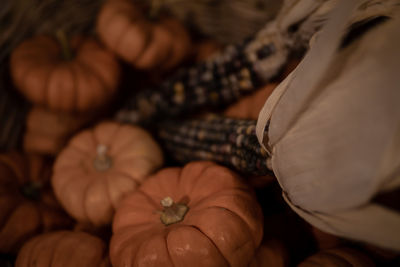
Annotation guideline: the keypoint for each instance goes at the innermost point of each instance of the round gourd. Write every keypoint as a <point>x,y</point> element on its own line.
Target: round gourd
<point>99,166</point>
<point>47,131</point>
<point>64,249</point>
<point>27,205</point>
<point>199,215</point>
<point>76,76</point>
<point>338,257</point>
<point>145,44</point>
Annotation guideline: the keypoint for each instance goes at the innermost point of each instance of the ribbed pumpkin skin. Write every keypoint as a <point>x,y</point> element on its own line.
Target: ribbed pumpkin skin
<point>21,217</point>
<point>86,81</point>
<point>145,44</point>
<point>338,257</point>
<point>223,226</point>
<point>90,194</point>
<point>63,249</point>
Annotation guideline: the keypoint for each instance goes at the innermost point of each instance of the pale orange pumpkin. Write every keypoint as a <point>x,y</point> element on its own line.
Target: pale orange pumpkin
<point>338,257</point>
<point>99,166</point>
<point>27,205</point>
<point>64,249</point>
<point>47,74</point>
<point>146,44</point>
<point>47,131</point>
<point>200,215</point>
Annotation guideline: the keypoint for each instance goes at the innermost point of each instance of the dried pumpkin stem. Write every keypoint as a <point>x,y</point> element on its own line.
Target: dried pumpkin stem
<point>65,48</point>
<point>173,212</point>
<point>102,161</point>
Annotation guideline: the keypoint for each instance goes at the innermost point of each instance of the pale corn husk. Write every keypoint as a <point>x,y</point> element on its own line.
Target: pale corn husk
<point>332,127</point>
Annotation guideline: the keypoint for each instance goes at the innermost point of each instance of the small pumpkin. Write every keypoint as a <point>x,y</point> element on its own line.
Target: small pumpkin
<point>64,249</point>
<point>27,205</point>
<point>47,74</point>
<point>248,107</point>
<point>200,215</point>
<point>325,240</point>
<point>99,166</point>
<point>145,44</point>
<point>338,257</point>
<point>271,253</point>
<point>48,131</point>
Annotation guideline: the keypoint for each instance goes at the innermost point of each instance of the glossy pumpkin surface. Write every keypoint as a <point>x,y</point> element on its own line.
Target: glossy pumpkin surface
<point>99,166</point>
<point>222,223</point>
<point>45,77</point>
<point>27,205</point>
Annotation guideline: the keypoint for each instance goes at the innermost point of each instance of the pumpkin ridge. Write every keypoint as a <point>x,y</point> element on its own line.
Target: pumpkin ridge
<point>99,77</point>
<point>108,187</point>
<point>167,246</point>
<point>75,86</point>
<point>86,196</point>
<point>249,234</point>
<point>46,96</point>
<point>60,237</point>
<point>121,36</point>
<point>100,128</point>
<point>196,181</point>
<point>30,253</point>
<point>212,241</point>
<point>102,56</point>
<point>150,199</point>
<point>125,244</point>
<point>10,211</point>
<point>164,235</point>
<point>128,176</point>
<point>227,209</point>
<point>78,149</point>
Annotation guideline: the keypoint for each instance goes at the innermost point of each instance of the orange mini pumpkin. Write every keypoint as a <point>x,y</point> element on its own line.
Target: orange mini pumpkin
<point>46,74</point>
<point>338,257</point>
<point>99,166</point>
<point>145,44</point>
<point>216,220</point>
<point>47,131</point>
<point>64,249</point>
<point>271,253</point>
<point>27,205</point>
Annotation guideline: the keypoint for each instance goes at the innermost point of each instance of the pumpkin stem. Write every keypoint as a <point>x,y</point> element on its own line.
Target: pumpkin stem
<point>65,48</point>
<point>102,161</point>
<point>173,212</point>
<point>32,190</point>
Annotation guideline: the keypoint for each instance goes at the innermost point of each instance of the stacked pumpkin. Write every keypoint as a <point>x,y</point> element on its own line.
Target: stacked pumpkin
<point>72,80</point>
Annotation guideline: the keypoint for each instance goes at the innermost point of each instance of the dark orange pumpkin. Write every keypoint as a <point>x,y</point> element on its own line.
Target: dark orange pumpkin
<point>64,249</point>
<point>48,131</point>
<point>338,257</point>
<point>145,44</point>
<point>27,205</point>
<point>271,253</point>
<point>46,74</point>
<point>101,165</point>
<point>199,215</point>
